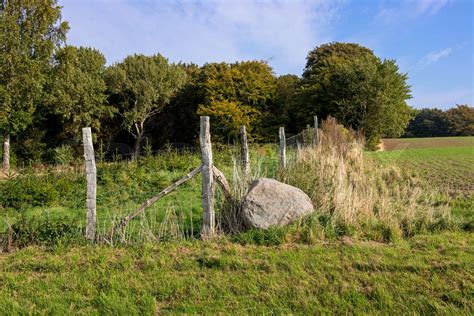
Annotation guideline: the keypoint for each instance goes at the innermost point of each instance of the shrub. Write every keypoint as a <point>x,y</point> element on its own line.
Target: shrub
<point>64,155</point>
<point>46,231</point>
<point>27,191</point>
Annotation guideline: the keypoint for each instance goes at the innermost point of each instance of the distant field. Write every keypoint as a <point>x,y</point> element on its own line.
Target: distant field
<point>446,161</point>
<point>431,142</point>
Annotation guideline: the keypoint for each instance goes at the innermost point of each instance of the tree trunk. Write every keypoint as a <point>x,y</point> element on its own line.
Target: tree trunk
<point>6,153</point>
<point>136,149</point>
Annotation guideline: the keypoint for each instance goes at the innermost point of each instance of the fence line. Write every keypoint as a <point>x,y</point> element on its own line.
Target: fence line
<point>210,175</point>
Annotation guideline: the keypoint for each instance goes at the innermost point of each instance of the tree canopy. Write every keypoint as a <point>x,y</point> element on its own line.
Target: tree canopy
<point>457,121</point>
<point>236,94</point>
<point>143,86</point>
<point>30,31</point>
<point>348,82</point>
<point>79,89</point>
<point>461,120</point>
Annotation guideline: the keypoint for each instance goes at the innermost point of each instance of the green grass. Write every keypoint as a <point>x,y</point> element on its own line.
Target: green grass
<point>429,274</point>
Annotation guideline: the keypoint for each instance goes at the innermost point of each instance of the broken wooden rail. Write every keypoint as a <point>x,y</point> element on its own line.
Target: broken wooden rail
<point>124,221</point>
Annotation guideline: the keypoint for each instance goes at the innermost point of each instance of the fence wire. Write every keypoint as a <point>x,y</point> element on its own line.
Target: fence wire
<point>123,185</point>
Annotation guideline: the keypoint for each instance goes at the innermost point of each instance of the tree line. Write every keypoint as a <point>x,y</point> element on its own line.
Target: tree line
<point>457,121</point>
<point>50,90</point>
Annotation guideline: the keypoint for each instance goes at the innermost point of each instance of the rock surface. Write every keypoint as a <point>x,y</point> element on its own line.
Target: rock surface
<point>269,202</point>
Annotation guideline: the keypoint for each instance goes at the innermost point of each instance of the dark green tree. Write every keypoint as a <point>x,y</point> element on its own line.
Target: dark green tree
<point>461,120</point>
<point>179,121</point>
<point>78,89</point>
<point>284,107</point>
<point>348,82</point>
<point>30,31</point>
<point>143,86</point>
<point>428,123</point>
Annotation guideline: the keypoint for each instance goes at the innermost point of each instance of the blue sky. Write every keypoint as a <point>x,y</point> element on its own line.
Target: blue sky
<point>431,40</point>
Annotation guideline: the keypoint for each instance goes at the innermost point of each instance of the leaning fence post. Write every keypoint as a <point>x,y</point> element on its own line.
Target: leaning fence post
<point>282,148</point>
<point>244,151</point>
<point>206,172</point>
<point>316,131</point>
<point>91,181</point>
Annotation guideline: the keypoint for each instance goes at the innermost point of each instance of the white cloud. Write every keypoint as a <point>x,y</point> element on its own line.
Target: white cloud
<point>410,9</point>
<point>200,31</point>
<point>430,6</point>
<point>433,57</point>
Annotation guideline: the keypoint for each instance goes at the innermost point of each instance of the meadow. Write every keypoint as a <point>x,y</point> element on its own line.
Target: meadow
<point>387,263</point>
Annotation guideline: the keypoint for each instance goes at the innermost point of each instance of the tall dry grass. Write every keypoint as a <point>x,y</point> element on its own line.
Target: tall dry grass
<point>354,195</point>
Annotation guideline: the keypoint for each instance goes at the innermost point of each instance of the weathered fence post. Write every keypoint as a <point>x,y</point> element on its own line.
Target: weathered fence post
<point>207,178</point>
<point>282,148</point>
<point>91,181</point>
<point>244,152</point>
<point>6,153</point>
<point>316,131</point>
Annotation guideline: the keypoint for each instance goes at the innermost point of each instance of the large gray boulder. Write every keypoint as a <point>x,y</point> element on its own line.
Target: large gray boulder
<point>269,202</point>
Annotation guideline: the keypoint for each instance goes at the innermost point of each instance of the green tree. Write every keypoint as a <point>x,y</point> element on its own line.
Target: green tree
<point>179,121</point>
<point>30,31</point>
<point>236,94</point>
<point>78,89</point>
<point>284,109</point>
<point>143,86</point>
<point>461,120</point>
<point>349,82</point>
<point>428,123</point>
<point>230,116</point>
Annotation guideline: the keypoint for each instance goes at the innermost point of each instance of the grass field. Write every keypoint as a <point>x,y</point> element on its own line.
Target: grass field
<point>447,162</point>
<point>431,142</point>
<point>255,272</point>
<point>430,274</point>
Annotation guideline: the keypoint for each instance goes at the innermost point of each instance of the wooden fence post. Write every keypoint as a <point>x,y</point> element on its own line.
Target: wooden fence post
<point>316,131</point>
<point>207,177</point>
<point>282,148</point>
<point>244,152</point>
<point>91,181</point>
<point>6,153</point>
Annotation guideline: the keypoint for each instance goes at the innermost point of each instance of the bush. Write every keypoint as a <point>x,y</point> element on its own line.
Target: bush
<point>46,231</point>
<point>64,155</point>
<point>27,191</point>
